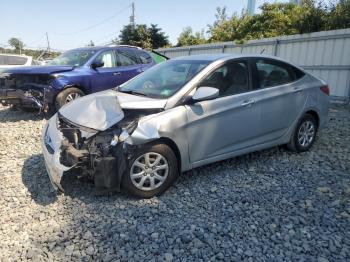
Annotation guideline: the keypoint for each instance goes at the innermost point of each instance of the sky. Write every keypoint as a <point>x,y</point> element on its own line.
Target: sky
<point>73,23</point>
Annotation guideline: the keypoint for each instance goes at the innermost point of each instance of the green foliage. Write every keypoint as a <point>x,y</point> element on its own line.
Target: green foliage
<point>187,37</point>
<point>339,16</point>
<point>275,19</point>
<point>143,36</point>
<point>158,37</point>
<point>16,43</point>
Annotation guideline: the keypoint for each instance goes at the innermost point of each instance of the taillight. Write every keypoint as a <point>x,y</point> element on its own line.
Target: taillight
<point>325,89</point>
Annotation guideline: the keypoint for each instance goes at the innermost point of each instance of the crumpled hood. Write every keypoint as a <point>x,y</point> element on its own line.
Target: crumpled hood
<point>102,110</point>
<point>37,69</point>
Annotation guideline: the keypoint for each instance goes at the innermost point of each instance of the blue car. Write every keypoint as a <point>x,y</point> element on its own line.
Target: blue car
<point>73,74</point>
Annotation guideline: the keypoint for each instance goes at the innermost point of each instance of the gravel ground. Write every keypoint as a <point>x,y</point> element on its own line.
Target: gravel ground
<point>271,205</point>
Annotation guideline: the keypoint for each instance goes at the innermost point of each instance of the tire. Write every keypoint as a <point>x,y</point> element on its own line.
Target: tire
<point>296,144</point>
<point>64,96</point>
<point>134,167</point>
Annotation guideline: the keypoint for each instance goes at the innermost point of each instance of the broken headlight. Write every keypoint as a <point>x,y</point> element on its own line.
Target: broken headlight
<point>121,138</point>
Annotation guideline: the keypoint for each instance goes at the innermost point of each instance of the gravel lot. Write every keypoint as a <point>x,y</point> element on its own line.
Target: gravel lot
<point>271,205</point>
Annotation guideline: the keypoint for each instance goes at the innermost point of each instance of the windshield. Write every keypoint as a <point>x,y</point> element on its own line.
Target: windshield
<point>73,58</point>
<point>164,80</point>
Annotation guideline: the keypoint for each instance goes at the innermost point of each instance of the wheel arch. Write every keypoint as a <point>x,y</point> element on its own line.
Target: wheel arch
<point>315,115</point>
<point>75,86</point>
<point>69,86</point>
<point>169,142</point>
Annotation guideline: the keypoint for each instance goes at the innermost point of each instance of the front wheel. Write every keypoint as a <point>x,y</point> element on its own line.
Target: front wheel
<point>304,134</point>
<point>151,171</point>
<point>67,96</point>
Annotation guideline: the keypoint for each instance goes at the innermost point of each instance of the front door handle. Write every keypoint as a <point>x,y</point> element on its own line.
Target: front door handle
<point>248,102</point>
<point>298,90</point>
<point>117,73</point>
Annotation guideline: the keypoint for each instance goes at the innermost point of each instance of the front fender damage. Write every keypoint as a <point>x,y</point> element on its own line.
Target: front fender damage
<point>103,156</point>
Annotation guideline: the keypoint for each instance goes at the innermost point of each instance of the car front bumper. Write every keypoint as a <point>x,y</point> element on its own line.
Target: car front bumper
<point>18,97</point>
<point>51,147</point>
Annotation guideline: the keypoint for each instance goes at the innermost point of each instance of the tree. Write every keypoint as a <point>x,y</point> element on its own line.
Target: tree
<point>158,37</point>
<point>91,43</point>
<point>339,16</point>
<point>313,17</point>
<point>274,20</point>
<point>16,43</point>
<point>143,36</point>
<point>187,37</point>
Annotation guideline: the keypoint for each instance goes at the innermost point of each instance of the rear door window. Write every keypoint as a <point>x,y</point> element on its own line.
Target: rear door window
<point>274,73</point>
<point>127,57</point>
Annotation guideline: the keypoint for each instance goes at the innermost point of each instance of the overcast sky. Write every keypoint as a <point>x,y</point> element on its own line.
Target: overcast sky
<point>73,23</point>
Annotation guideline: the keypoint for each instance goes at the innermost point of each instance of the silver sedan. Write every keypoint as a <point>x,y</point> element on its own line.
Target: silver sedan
<point>182,114</point>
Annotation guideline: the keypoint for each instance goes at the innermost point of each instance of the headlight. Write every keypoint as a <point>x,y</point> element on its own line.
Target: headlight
<point>57,76</point>
<point>121,138</point>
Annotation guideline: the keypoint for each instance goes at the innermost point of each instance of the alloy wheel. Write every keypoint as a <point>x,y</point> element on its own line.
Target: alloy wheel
<point>306,133</point>
<point>72,96</point>
<point>149,171</point>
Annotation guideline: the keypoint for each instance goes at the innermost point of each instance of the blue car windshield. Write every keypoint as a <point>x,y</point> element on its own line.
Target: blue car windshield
<point>165,79</point>
<point>73,58</point>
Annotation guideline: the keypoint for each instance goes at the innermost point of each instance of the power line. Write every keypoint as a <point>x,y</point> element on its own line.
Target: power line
<point>97,24</point>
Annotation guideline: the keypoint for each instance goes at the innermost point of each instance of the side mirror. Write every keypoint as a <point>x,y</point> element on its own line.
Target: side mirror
<point>97,64</point>
<point>205,93</point>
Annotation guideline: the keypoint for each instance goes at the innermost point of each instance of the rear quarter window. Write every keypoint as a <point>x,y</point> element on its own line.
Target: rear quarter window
<point>274,73</point>
<point>144,57</point>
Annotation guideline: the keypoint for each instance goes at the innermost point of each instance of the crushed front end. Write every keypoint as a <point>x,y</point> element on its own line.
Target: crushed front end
<point>100,155</point>
<point>26,90</point>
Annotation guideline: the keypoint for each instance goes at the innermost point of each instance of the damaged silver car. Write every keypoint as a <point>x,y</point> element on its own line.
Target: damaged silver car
<point>182,114</point>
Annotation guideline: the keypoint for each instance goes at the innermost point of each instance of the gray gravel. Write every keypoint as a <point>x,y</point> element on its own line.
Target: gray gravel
<point>271,205</point>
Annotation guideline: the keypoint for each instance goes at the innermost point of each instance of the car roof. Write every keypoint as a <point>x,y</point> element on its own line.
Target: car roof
<point>97,48</point>
<point>224,57</point>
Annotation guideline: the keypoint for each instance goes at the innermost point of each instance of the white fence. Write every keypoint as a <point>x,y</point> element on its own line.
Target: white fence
<point>324,54</point>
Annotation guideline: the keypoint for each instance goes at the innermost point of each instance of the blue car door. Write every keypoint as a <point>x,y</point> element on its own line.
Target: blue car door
<point>129,64</point>
<point>107,76</point>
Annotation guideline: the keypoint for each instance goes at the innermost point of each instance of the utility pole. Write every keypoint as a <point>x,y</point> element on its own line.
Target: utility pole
<point>48,43</point>
<point>132,17</point>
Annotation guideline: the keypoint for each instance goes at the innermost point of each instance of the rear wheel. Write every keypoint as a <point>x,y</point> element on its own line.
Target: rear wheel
<point>151,171</point>
<point>304,134</point>
<point>68,95</point>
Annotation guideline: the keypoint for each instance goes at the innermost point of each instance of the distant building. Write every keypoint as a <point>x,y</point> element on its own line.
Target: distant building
<point>251,7</point>
<point>297,2</point>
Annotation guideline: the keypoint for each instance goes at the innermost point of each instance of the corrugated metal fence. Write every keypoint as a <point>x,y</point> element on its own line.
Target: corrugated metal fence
<point>324,54</point>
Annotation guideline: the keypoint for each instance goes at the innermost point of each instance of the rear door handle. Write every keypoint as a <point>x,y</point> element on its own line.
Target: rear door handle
<point>298,90</point>
<point>117,73</point>
<point>248,102</point>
